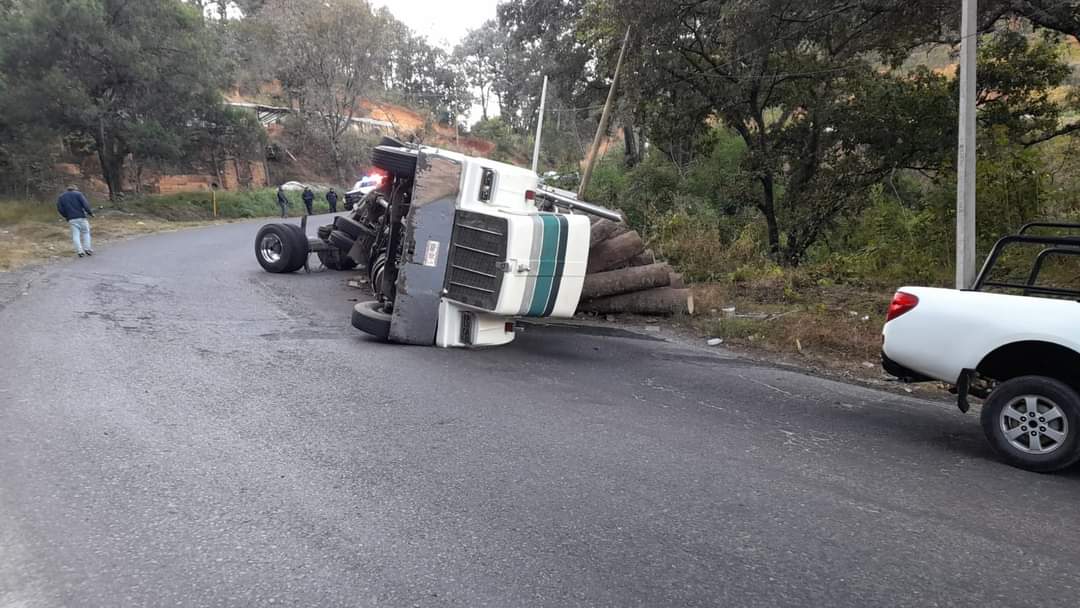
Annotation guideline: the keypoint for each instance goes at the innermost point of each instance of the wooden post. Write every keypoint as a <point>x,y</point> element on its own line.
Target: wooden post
<point>590,160</point>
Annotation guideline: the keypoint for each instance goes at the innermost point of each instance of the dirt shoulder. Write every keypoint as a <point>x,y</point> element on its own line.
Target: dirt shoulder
<point>34,242</point>
<point>831,331</point>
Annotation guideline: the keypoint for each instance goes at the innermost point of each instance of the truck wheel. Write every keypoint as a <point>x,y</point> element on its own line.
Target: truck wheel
<point>350,227</point>
<point>324,231</point>
<point>1033,423</point>
<point>335,259</point>
<point>368,317</point>
<point>279,249</point>
<point>341,240</point>
<point>401,164</point>
<point>301,246</point>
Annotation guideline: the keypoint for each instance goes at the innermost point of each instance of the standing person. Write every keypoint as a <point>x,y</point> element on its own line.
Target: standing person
<point>282,201</point>
<point>331,199</point>
<point>74,208</point>
<point>309,198</point>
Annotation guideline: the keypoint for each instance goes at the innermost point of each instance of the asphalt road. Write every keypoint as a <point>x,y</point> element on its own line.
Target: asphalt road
<point>178,427</point>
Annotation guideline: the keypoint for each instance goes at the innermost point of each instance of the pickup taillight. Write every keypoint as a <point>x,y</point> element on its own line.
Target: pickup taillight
<point>902,302</point>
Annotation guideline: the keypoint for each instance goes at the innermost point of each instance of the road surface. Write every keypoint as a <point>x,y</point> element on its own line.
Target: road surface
<point>181,428</point>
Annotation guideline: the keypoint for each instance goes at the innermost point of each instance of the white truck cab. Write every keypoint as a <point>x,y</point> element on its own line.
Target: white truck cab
<point>459,246</point>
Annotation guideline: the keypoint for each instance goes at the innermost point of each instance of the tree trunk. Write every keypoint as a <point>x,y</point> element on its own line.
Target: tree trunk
<point>635,278</point>
<point>112,170</point>
<point>676,281</point>
<point>768,209</point>
<point>644,258</point>
<point>630,152</point>
<point>615,251</point>
<point>659,301</point>
<point>604,230</point>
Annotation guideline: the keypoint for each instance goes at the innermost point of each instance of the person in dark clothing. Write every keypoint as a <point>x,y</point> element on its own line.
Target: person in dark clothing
<point>309,198</point>
<point>282,201</point>
<point>74,208</point>
<point>331,199</point>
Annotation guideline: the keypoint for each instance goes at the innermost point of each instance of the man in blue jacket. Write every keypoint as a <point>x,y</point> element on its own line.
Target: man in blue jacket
<point>74,208</point>
<point>309,198</point>
<point>331,199</point>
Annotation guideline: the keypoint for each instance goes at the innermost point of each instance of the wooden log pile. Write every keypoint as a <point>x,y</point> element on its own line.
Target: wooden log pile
<point>624,277</point>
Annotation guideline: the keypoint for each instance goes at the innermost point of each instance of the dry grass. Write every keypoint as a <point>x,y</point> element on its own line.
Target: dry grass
<point>31,233</point>
<point>833,327</point>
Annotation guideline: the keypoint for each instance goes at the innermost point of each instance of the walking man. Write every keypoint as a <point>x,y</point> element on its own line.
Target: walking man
<point>74,208</point>
<point>309,198</point>
<point>282,201</point>
<point>331,199</point>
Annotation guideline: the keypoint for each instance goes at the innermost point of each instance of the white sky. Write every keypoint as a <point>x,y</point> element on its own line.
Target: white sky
<point>443,22</point>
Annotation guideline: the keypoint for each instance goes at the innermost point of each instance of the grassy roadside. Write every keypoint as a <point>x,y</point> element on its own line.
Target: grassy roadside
<point>832,327</point>
<point>32,232</point>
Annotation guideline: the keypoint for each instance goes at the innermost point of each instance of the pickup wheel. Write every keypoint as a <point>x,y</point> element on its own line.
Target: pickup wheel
<point>1033,422</point>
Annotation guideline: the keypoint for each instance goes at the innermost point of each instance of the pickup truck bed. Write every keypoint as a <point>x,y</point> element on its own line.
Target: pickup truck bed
<point>1019,352</point>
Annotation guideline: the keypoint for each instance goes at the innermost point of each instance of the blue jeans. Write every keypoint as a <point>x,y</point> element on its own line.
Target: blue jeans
<point>80,227</point>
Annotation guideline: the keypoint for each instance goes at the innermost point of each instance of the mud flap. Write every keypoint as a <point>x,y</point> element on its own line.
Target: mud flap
<point>963,388</point>
<point>426,242</point>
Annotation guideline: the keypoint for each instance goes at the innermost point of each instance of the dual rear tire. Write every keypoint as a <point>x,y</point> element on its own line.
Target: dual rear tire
<point>281,248</point>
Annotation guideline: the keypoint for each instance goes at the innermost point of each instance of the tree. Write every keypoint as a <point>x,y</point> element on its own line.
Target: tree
<point>111,71</point>
<point>478,54</point>
<point>818,95</point>
<point>328,59</point>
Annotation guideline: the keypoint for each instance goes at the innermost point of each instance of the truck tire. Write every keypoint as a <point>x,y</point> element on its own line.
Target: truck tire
<point>401,164</point>
<point>341,240</point>
<point>1052,442</point>
<point>351,227</point>
<point>279,249</point>
<point>368,317</point>
<point>301,246</point>
<point>324,231</point>
<point>335,259</point>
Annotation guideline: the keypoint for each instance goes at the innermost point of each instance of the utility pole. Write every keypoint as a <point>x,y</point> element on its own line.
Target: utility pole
<point>590,160</point>
<point>965,164</point>
<point>539,126</point>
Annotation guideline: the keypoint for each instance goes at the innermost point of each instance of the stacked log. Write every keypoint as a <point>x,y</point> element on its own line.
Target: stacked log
<point>623,276</point>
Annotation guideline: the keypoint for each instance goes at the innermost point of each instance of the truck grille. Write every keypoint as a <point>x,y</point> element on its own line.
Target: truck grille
<point>476,249</point>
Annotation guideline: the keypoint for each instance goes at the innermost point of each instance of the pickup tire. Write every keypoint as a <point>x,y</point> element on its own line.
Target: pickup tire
<point>369,317</point>
<point>1052,442</point>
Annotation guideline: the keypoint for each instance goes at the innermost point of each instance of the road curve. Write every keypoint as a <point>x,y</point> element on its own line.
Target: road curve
<point>178,427</point>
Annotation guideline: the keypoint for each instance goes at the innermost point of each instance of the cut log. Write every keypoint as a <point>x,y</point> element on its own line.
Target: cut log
<point>614,282</point>
<point>614,251</point>
<point>604,230</point>
<point>676,281</point>
<point>601,231</point>
<point>659,301</point>
<point>644,258</point>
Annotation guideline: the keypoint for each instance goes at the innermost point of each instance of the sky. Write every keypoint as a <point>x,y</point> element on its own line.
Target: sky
<point>442,22</point>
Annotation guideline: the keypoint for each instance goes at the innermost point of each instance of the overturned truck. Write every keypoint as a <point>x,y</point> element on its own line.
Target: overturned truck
<point>455,247</point>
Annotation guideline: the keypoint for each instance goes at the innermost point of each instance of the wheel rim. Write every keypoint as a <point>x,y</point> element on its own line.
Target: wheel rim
<point>1034,424</point>
<point>271,247</point>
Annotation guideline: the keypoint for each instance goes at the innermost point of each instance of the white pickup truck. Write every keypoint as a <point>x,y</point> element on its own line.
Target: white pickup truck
<point>1019,351</point>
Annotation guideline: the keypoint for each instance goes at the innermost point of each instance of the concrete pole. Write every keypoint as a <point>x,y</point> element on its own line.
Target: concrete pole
<point>965,182</point>
<point>539,126</point>
<point>590,160</point>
